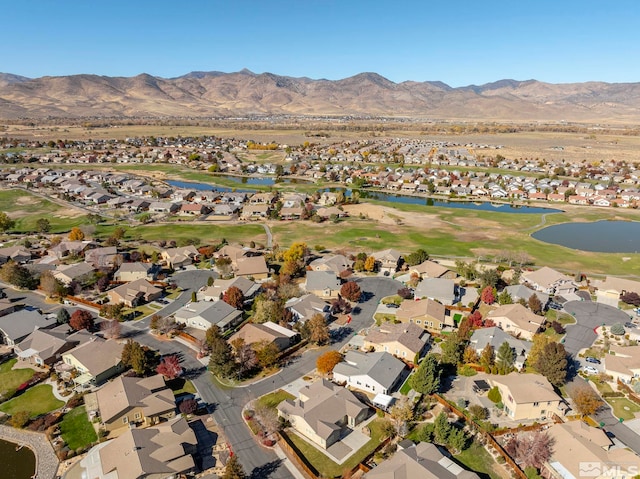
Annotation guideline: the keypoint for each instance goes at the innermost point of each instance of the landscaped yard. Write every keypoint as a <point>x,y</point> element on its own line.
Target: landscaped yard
<point>623,408</point>
<point>138,312</point>
<point>406,386</point>
<point>181,386</point>
<point>477,459</point>
<point>10,379</point>
<point>76,429</point>
<point>603,387</point>
<point>37,400</point>
<point>325,466</point>
<point>271,400</point>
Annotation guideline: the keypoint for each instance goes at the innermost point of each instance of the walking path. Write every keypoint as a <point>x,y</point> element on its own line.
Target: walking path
<point>56,393</point>
<point>46,460</point>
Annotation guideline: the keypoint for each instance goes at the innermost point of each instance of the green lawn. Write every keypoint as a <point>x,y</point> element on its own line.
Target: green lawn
<point>406,386</point>
<point>603,387</point>
<point>37,400</point>
<point>325,466</point>
<point>562,318</point>
<point>139,312</point>
<point>476,458</point>
<point>623,408</point>
<point>181,386</point>
<point>271,400</point>
<point>10,379</point>
<point>76,429</point>
<point>552,334</point>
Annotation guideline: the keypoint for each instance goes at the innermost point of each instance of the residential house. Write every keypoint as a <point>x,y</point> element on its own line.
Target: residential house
<point>404,340</point>
<point>388,260</point>
<point>424,460</point>
<point>585,451</point>
<point>79,272</point>
<point>267,333</point>
<point>431,269</point>
<point>219,287</point>
<point>439,289</point>
<point>14,327</point>
<point>130,400</point>
<point>335,263</point>
<point>613,287</point>
<point>45,347</point>
<point>177,258</point>
<point>95,361</point>
<point>376,372</point>
<point>194,209</point>
<point>549,281</point>
<point>517,320</point>
<point>528,397</point>
<point>103,257</point>
<point>623,363</point>
<point>305,307</point>
<point>426,313</point>
<point>7,306</point>
<point>134,293</point>
<point>323,284</point>
<point>162,451</point>
<point>495,337</point>
<point>520,291</point>
<point>19,254</point>
<point>323,412</point>
<point>202,315</point>
<point>255,211</point>
<point>254,267</point>
<point>135,271</point>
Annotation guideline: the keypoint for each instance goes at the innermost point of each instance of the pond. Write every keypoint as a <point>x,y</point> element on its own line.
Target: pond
<point>263,180</point>
<point>598,236</point>
<point>20,464</point>
<point>206,187</point>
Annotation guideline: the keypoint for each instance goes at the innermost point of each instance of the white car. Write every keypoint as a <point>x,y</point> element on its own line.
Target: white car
<point>590,370</point>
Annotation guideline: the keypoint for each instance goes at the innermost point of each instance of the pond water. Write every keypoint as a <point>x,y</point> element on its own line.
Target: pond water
<point>206,187</point>
<point>598,236</point>
<point>19,464</point>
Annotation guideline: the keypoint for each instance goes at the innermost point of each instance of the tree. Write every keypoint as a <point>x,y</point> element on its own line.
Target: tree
<point>233,469</point>
<point>552,363</point>
<point>494,395</point>
<point>487,295</point>
<point>478,412</point>
<point>233,296</point>
<point>17,275</point>
<point>530,449</point>
<point>246,357</point>
<point>266,310</point>
<point>417,257</point>
<point>318,329</point>
<point>442,428</point>
<point>470,356</point>
<point>585,399</point>
<point>19,419</point>
<point>297,252</point>
<point>631,298</point>
<point>540,341</point>
<point>134,357</point>
<point>292,268</point>
<point>370,264</point>
<point>452,350</point>
<point>51,285</point>
<point>534,303</point>
<point>351,291</point>
<point>327,361</point>
<point>210,281</point>
<point>119,232</point>
<point>170,367</point>
<point>188,406</point>
<point>111,329</point>
<point>489,277</point>
<point>63,316</point>
<point>6,223</point>
<point>43,225</point>
<point>405,293</point>
<point>221,360</point>
<point>194,297</point>
<point>487,358</point>
<point>402,415</point>
<point>103,283</point>
<point>505,297</point>
<point>426,379</point>
<point>505,358</point>
<point>112,311</point>
<point>81,319</point>
<point>266,353</point>
<point>76,234</point>
<point>457,439</point>
<point>212,335</point>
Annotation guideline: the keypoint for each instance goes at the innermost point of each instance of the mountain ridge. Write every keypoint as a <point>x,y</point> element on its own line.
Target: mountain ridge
<point>216,94</point>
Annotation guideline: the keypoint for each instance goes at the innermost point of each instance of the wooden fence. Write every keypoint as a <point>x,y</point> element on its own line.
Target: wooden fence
<point>630,392</point>
<point>75,299</point>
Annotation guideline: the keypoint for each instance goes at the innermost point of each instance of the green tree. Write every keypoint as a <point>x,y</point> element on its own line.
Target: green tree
<point>233,469</point>
<point>540,341</point>
<point>442,428</point>
<point>457,439</point>
<point>63,316</point>
<point>417,257</point>
<point>552,363</point>
<point>494,395</point>
<point>505,298</point>
<point>6,223</point>
<point>506,358</point>
<point>426,379</point>
<point>452,350</point>
<point>17,275</point>
<point>43,225</point>
<point>135,357</point>
<point>221,359</point>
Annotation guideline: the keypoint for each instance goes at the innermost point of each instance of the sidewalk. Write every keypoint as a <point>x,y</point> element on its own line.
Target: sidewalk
<point>287,463</point>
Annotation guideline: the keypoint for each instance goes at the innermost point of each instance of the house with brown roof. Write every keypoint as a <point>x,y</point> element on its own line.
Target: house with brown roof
<point>267,333</point>
<point>388,259</point>
<point>216,291</point>
<point>129,400</point>
<point>423,460</point>
<point>162,451</point>
<point>404,340</point>
<point>426,313</point>
<point>324,284</point>
<point>612,287</point>
<point>623,363</point>
<point>323,412</point>
<point>528,396</point>
<point>103,257</point>
<point>252,267</point>
<point>176,258</point>
<point>66,273</point>
<point>19,254</point>
<point>516,320</point>
<point>431,269</point>
<point>134,293</point>
<point>336,263</point>
<point>95,361</point>
<point>579,446</point>
<point>549,281</point>
<point>45,347</point>
<point>135,271</point>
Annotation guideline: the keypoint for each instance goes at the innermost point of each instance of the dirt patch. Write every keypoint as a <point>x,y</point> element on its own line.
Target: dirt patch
<point>390,216</point>
<point>27,200</point>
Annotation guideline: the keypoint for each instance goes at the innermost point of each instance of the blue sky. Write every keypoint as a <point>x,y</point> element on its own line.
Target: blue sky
<point>460,43</point>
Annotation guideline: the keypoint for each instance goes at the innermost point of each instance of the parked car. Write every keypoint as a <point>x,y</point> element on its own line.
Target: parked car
<point>556,306</point>
<point>590,370</point>
<point>591,359</point>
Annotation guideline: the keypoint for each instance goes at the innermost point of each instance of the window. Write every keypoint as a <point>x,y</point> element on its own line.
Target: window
<point>125,420</point>
<point>137,415</point>
<point>536,404</point>
<point>418,321</point>
<point>404,354</point>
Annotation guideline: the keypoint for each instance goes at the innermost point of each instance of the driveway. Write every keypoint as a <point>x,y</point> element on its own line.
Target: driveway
<point>589,315</point>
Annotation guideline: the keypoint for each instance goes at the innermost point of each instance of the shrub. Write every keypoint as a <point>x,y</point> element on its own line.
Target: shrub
<point>494,395</point>
<point>19,419</point>
<point>557,327</point>
<point>617,329</point>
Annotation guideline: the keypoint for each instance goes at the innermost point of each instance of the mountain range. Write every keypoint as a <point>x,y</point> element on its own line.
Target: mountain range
<point>217,94</point>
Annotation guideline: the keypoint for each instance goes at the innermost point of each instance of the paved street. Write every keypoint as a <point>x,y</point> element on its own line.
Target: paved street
<point>589,315</point>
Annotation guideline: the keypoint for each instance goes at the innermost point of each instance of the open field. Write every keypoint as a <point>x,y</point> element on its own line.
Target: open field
<point>26,209</point>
